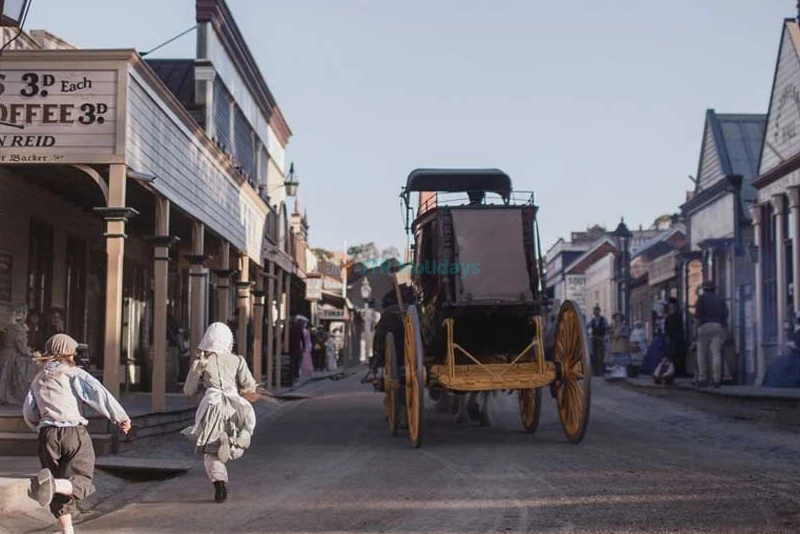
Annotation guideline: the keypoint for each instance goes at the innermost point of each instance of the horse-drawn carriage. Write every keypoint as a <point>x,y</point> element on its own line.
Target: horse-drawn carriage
<point>477,323</point>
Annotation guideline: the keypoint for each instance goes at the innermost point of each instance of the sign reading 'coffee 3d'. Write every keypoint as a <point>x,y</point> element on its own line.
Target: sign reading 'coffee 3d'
<point>57,116</point>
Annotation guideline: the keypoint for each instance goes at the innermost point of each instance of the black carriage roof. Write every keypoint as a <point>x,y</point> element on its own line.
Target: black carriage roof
<point>456,180</point>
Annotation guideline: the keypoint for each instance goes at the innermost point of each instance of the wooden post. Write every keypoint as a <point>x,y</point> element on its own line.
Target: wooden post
<point>756,213</point>
<point>115,215</point>
<point>288,314</point>
<point>197,286</point>
<point>794,204</point>
<point>780,260</point>
<point>258,325</point>
<point>162,241</point>
<point>243,303</point>
<point>270,323</point>
<point>224,284</point>
<point>279,335</point>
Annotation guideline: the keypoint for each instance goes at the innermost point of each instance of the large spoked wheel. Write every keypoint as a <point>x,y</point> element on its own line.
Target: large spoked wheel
<point>391,379</point>
<point>530,408</point>
<point>573,387</point>
<point>414,378</point>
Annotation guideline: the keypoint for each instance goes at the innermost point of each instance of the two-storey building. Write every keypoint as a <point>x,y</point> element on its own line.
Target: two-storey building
<point>138,197</point>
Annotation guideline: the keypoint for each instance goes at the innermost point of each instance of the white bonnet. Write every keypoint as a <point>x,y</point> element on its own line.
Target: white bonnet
<point>218,339</point>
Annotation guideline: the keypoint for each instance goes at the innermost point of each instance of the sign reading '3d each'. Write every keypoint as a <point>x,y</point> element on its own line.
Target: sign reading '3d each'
<point>52,116</point>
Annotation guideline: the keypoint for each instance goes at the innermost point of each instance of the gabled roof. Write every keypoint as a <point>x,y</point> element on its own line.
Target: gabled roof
<point>598,250</point>
<point>777,161</point>
<point>653,244</point>
<point>731,145</point>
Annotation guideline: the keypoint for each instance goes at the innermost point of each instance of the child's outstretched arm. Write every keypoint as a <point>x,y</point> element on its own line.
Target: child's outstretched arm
<point>91,391</point>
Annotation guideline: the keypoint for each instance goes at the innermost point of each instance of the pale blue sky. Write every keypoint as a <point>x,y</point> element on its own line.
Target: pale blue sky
<point>596,106</point>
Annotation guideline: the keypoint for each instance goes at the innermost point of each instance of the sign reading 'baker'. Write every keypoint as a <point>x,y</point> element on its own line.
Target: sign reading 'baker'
<point>57,116</point>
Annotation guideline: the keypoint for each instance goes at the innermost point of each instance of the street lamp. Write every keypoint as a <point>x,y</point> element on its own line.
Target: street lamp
<point>622,239</point>
<point>366,290</point>
<point>290,184</point>
<point>13,12</point>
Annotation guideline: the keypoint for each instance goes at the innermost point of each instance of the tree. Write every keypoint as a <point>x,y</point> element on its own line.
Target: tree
<point>364,252</point>
<point>322,254</point>
<point>390,253</point>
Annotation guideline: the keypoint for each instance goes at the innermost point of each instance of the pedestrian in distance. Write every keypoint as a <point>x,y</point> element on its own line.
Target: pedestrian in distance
<point>225,419</point>
<point>711,314</point>
<point>620,346</point>
<point>673,330</point>
<point>330,353</point>
<point>598,328</point>
<point>52,407</point>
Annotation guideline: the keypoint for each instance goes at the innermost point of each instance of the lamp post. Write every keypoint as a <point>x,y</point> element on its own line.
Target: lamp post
<point>12,12</point>
<point>622,239</point>
<point>366,293</point>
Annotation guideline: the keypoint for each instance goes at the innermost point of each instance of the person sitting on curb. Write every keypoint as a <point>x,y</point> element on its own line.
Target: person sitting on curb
<point>665,372</point>
<point>52,407</point>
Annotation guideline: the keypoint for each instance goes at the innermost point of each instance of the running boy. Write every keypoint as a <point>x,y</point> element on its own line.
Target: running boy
<point>52,408</point>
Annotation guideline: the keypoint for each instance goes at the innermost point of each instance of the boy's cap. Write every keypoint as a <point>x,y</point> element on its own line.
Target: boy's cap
<point>60,345</point>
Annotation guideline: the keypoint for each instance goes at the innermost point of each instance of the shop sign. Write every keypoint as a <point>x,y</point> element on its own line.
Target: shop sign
<point>58,116</point>
<point>314,288</point>
<point>330,315</point>
<point>576,289</point>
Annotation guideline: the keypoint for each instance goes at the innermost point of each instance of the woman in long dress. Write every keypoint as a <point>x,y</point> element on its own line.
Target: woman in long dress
<point>307,367</point>
<point>330,353</point>
<point>225,419</point>
<point>17,368</point>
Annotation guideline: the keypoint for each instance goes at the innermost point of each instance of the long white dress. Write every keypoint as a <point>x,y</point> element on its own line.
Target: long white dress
<point>223,414</point>
<point>330,354</point>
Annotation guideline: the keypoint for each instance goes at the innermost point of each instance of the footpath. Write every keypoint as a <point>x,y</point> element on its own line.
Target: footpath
<point>123,477</point>
<point>776,407</point>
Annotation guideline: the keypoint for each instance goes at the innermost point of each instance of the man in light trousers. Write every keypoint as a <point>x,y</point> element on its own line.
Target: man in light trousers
<point>712,317</point>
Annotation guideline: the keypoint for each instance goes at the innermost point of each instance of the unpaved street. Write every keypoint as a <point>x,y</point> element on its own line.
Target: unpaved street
<point>328,465</point>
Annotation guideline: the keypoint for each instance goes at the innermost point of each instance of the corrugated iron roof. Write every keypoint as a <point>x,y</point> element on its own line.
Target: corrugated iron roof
<point>738,138</point>
<point>178,76</point>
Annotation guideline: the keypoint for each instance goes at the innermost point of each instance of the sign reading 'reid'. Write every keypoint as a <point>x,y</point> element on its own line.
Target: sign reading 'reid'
<point>57,116</point>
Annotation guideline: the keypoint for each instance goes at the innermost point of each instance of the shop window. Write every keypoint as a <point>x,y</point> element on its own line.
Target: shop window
<point>222,118</point>
<point>75,284</point>
<point>96,306</point>
<point>243,146</point>
<point>40,267</point>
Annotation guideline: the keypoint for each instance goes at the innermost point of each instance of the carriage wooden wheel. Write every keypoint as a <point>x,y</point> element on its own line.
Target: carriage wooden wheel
<point>414,376</point>
<point>391,378</point>
<point>530,408</point>
<point>573,386</point>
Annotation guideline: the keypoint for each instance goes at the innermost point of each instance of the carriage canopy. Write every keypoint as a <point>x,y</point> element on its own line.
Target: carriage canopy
<point>458,180</point>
